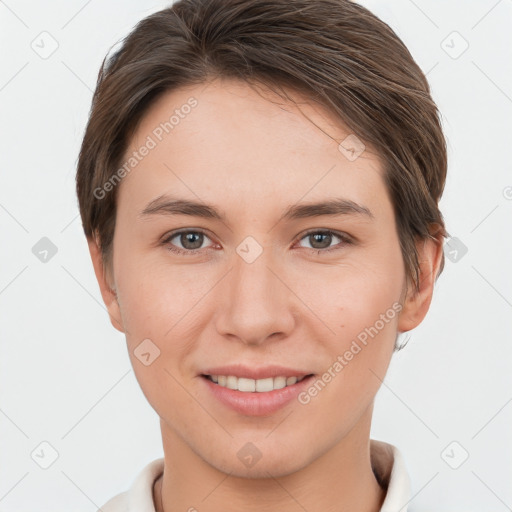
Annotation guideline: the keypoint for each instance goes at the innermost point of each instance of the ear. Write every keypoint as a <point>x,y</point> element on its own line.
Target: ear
<point>417,302</point>
<point>108,292</point>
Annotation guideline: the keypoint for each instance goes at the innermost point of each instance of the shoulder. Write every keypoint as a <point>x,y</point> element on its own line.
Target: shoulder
<point>140,494</point>
<point>118,503</point>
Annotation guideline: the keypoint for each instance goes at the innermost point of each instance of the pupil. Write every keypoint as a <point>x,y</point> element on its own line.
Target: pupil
<point>327,239</point>
<point>187,238</point>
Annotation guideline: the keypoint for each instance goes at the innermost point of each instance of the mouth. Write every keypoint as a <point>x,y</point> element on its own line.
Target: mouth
<point>247,385</point>
<point>256,397</point>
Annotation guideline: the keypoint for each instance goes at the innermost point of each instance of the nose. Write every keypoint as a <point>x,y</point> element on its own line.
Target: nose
<point>256,302</point>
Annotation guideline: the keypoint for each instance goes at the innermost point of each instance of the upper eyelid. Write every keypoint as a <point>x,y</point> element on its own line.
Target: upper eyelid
<point>340,234</point>
<point>172,234</point>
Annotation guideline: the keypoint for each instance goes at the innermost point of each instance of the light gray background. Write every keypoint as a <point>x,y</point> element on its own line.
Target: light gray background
<point>66,378</point>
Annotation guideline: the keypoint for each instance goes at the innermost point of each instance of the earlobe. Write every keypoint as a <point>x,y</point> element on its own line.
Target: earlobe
<point>108,292</point>
<point>417,301</point>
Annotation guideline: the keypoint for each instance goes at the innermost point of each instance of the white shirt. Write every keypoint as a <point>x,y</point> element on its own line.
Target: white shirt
<point>386,460</point>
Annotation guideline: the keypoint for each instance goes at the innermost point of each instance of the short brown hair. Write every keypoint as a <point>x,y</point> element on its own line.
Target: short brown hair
<point>335,51</point>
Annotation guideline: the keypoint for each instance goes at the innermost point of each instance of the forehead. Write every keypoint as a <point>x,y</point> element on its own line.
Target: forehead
<point>224,138</point>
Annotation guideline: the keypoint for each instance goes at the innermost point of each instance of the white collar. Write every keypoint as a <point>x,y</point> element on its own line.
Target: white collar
<point>389,466</point>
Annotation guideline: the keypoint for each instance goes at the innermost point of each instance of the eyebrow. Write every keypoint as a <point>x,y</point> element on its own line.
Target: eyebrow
<point>166,205</point>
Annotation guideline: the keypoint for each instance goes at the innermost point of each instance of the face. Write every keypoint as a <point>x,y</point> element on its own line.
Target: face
<point>255,275</point>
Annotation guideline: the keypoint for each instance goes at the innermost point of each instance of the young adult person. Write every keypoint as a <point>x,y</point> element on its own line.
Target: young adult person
<point>259,185</point>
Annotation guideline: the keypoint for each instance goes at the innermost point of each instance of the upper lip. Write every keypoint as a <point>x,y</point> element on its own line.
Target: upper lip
<point>253,372</point>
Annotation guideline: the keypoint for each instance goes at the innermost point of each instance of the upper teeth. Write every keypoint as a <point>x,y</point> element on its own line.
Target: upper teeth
<point>251,385</point>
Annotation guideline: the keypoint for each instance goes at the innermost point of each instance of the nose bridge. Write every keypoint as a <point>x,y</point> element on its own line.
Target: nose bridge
<point>256,303</point>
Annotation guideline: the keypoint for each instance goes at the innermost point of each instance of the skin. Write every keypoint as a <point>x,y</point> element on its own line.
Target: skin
<point>253,154</point>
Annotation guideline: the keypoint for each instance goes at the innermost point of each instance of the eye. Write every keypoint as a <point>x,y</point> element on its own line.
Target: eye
<point>320,240</point>
<point>191,241</point>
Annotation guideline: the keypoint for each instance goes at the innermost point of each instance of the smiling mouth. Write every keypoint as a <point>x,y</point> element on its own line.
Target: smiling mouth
<point>254,385</point>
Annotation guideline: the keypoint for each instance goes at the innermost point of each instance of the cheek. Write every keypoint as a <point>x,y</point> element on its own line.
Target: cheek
<point>163,317</point>
<point>157,299</point>
<point>158,325</point>
<point>364,309</point>
<point>369,310</point>
<point>365,324</point>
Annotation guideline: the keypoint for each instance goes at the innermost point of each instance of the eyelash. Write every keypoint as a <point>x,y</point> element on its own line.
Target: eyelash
<point>345,240</point>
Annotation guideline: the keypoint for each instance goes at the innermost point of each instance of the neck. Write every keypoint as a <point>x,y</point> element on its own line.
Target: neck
<point>340,480</point>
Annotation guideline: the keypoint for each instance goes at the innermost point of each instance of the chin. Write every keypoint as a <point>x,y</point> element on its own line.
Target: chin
<point>249,462</point>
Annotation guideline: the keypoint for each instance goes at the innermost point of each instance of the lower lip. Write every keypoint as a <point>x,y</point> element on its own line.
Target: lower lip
<point>256,403</point>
